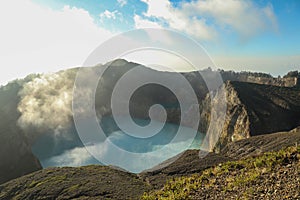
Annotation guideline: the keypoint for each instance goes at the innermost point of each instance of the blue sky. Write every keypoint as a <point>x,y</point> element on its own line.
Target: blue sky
<point>283,41</point>
<point>257,35</point>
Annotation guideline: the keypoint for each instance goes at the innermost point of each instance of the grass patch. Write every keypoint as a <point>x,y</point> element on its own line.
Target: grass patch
<point>49,181</point>
<point>238,174</point>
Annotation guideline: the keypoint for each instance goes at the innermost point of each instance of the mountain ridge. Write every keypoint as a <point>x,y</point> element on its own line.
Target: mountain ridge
<point>10,99</point>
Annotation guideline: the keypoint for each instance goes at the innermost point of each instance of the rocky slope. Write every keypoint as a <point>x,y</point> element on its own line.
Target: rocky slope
<point>189,163</point>
<point>273,175</point>
<point>91,182</point>
<point>254,109</point>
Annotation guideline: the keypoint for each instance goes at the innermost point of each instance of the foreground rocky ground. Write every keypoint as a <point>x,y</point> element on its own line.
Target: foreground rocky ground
<point>91,182</point>
<point>189,163</point>
<point>240,171</point>
<point>273,175</point>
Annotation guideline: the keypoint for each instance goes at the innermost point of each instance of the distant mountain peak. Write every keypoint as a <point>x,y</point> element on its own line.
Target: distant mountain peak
<point>118,62</point>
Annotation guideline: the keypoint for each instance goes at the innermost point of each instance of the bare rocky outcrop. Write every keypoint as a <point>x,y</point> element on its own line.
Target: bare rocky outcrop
<point>236,122</point>
<point>254,109</point>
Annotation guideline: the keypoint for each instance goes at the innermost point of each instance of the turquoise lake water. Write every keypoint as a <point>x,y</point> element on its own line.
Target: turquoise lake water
<point>66,149</point>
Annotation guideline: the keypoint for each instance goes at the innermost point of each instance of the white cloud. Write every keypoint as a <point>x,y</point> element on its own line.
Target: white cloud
<point>122,2</point>
<point>76,157</point>
<point>37,39</point>
<point>160,9</point>
<point>110,15</point>
<point>144,23</point>
<point>269,12</point>
<point>238,15</point>
<point>175,18</point>
<point>201,18</point>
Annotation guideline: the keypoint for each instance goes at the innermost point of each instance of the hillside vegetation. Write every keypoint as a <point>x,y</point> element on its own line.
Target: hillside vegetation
<point>273,175</point>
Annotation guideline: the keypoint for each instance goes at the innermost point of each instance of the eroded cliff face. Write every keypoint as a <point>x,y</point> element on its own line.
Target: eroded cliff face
<point>223,126</point>
<point>252,109</point>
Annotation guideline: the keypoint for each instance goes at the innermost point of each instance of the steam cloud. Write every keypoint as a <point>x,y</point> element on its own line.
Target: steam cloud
<point>46,102</point>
